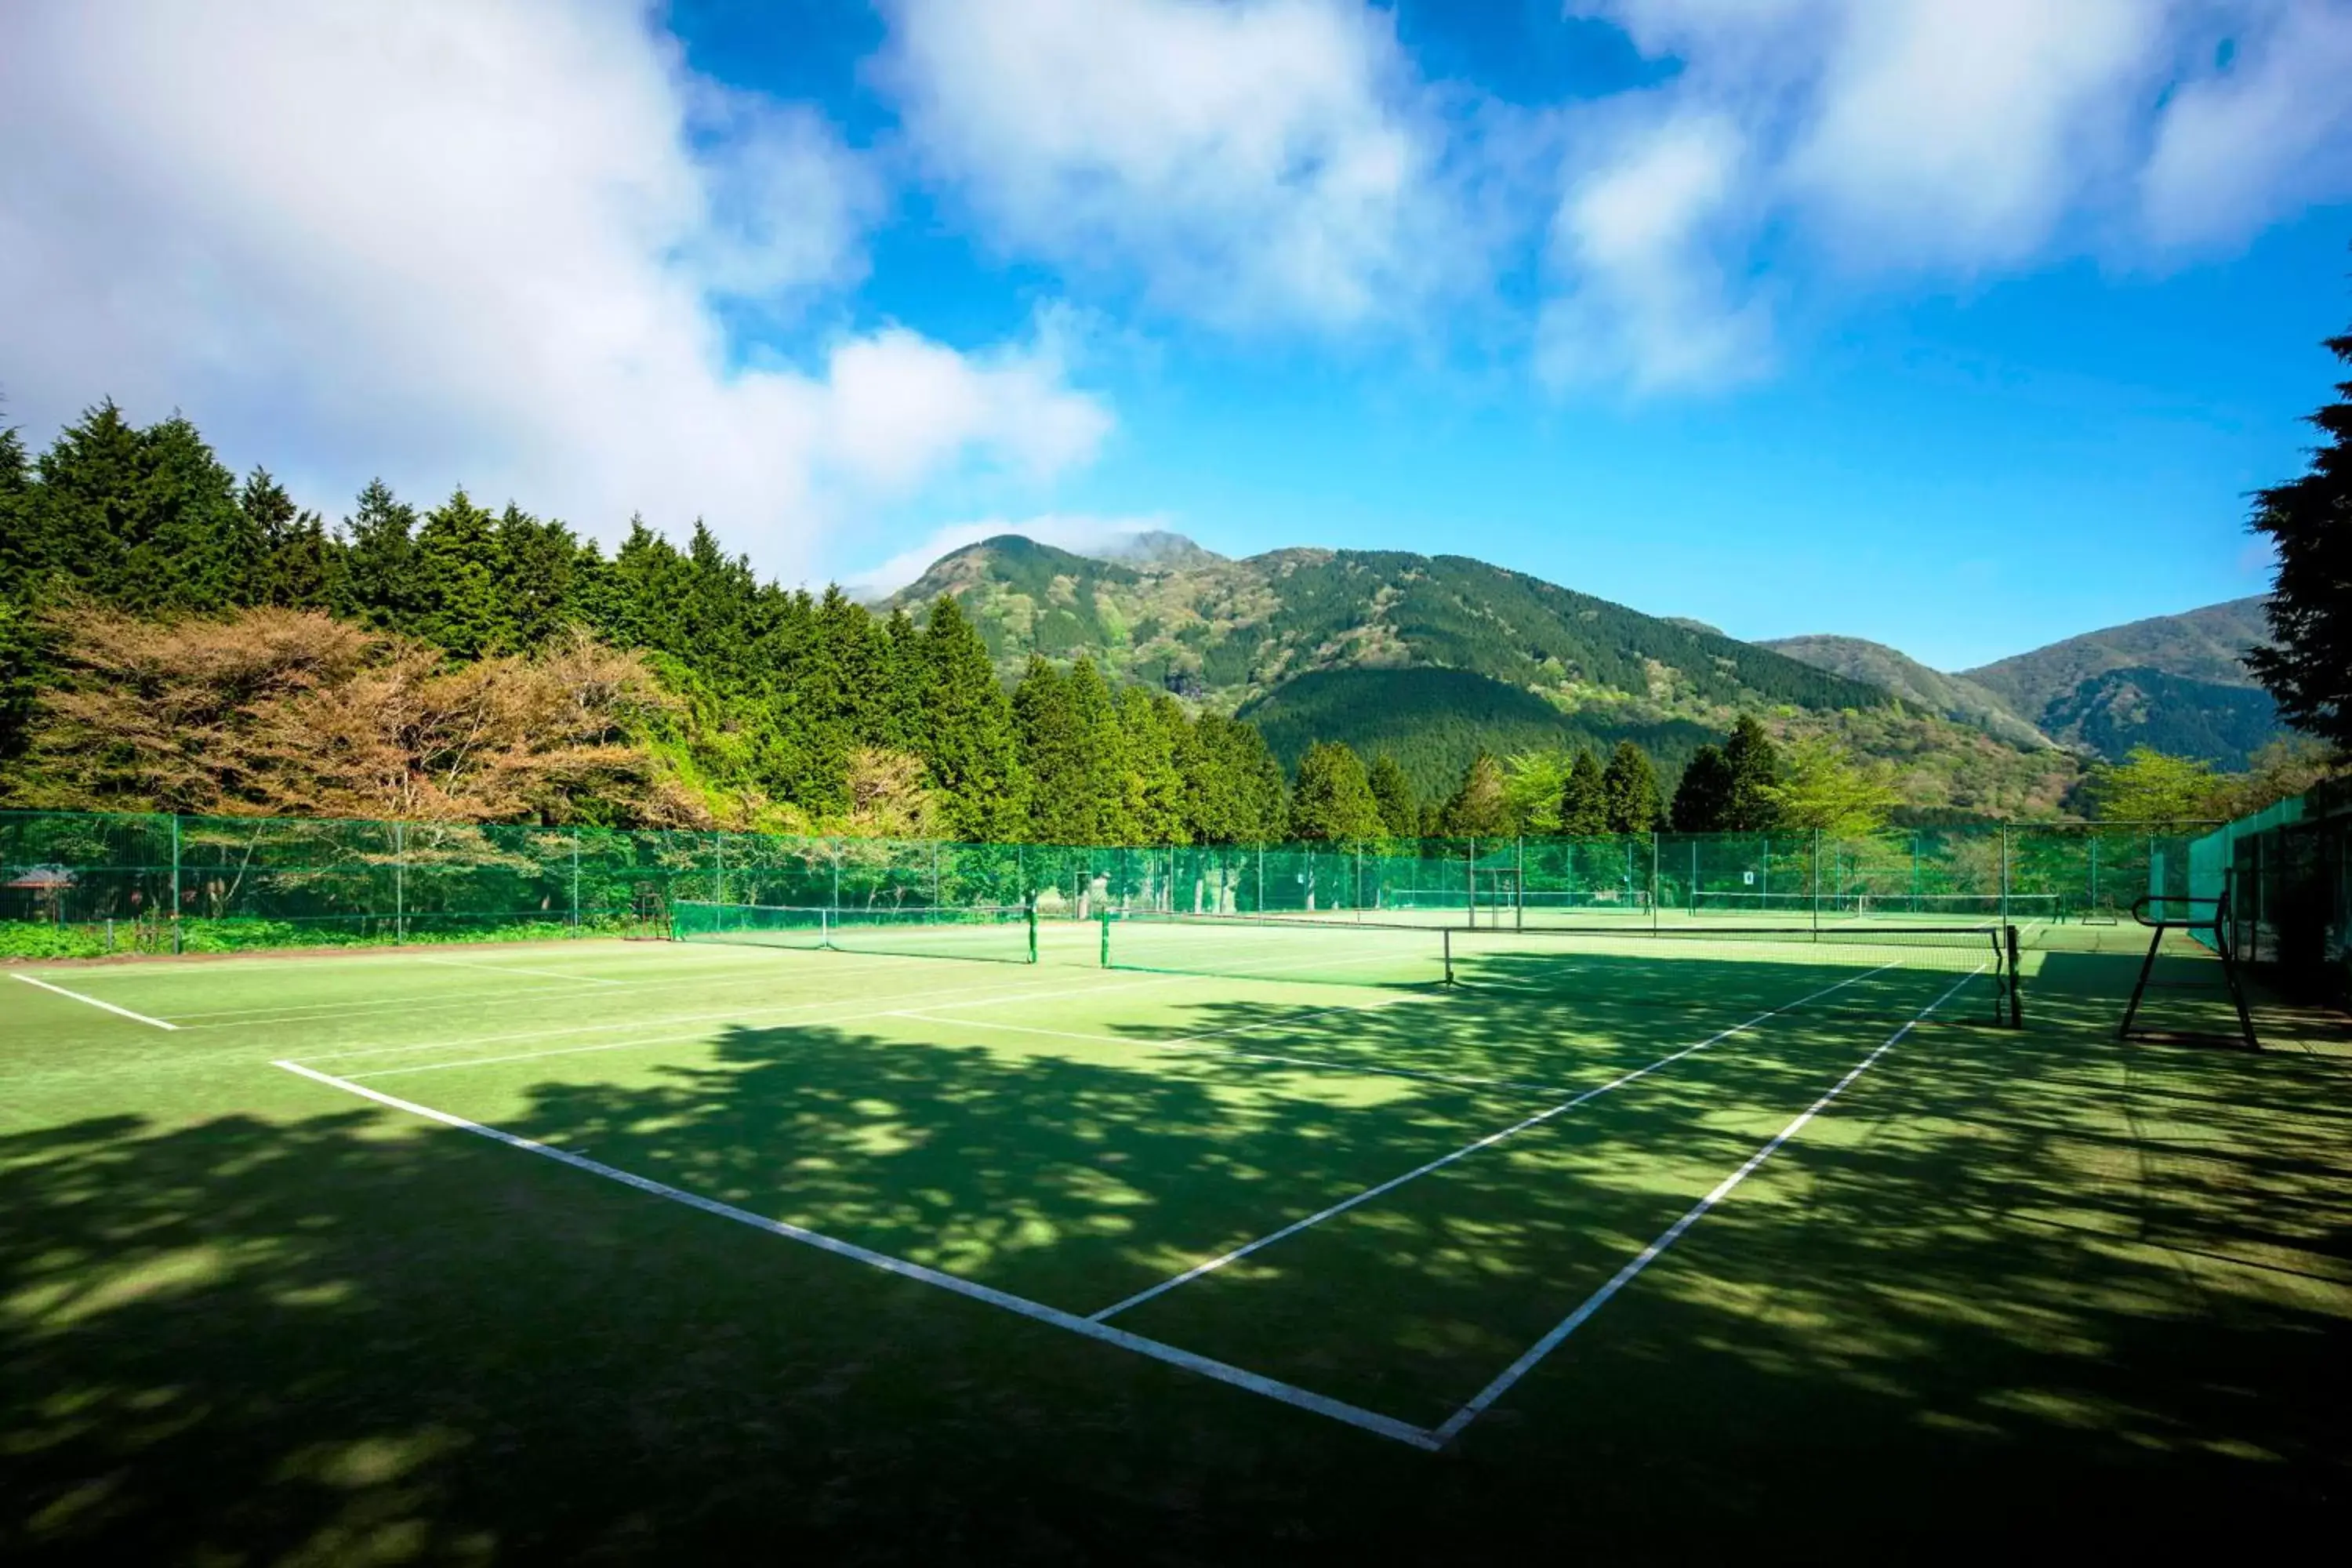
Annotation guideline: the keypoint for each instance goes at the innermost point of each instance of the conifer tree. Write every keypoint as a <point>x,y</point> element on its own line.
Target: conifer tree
<point>1400,816</point>
<point>1332,798</point>
<point>1583,799</point>
<point>1755,763</point>
<point>1477,808</point>
<point>900,722</point>
<point>2307,668</point>
<point>537,578</point>
<point>968,742</point>
<point>1052,754</point>
<point>380,556</point>
<point>456,580</point>
<point>1703,799</point>
<point>194,550</point>
<point>1234,787</point>
<point>1100,809</point>
<point>1630,785</point>
<point>24,556</point>
<point>1153,731</point>
<point>298,563</point>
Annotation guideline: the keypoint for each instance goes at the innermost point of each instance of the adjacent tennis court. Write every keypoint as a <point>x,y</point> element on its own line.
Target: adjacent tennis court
<point>1348,1182</point>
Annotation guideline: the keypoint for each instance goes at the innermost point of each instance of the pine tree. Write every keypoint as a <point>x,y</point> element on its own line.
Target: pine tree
<point>1332,798</point>
<point>1477,808</point>
<point>1584,800</point>
<point>1053,755</point>
<point>1101,810</point>
<point>24,554</point>
<point>1399,812</point>
<point>195,549</point>
<point>380,555</point>
<point>1630,785</point>
<point>1703,799</point>
<point>299,562</point>
<point>456,577</point>
<point>2307,668</point>
<point>967,743</point>
<point>538,577</point>
<point>1154,731</point>
<point>1755,765</point>
<point>899,723</point>
<point>1233,788</point>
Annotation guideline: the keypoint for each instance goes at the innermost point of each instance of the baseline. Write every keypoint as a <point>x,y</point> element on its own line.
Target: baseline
<point>1223,1371</point>
<point>1488,1142</point>
<point>94,1002</point>
<point>1453,1424</point>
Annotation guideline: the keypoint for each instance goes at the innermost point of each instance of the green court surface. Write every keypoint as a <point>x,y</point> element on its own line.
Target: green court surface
<point>1260,1239</point>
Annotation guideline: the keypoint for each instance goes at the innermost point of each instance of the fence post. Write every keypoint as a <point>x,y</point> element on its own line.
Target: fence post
<point>1261,878</point>
<point>719,867</point>
<point>176,881</point>
<point>576,878</point>
<point>1653,878</point>
<point>399,883</point>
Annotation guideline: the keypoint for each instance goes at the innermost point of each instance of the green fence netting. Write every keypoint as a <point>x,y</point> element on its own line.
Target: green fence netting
<point>85,883</point>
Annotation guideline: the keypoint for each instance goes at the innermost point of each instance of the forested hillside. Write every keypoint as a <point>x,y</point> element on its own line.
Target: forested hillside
<point>1954,697</point>
<point>172,637</point>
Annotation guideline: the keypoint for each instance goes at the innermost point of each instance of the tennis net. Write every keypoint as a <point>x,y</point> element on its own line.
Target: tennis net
<point>998,933</point>
<point>1615,962</point>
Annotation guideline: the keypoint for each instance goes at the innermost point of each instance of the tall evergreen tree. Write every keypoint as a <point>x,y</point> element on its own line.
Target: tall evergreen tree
<point>194,548</point>
<point>1102,750</point>
<point>299,564</point>
<point>24,554</point>
<point>968,735</point>
<point>1332,798</point>
<point>1477,808</point>
<point>460,605</point>
<point>1583,799</point>
<point>1400,815</point>
<point>1234,787</point>
<point>1153,731</point>
<point>1703,799</point>
<point>380,555</point>
<point>2307,668</point>
<point>1755,765</point>
<point>538,566</point>
<point>900,723</point>
<point>1630,785</point>
<point>1053,755</point>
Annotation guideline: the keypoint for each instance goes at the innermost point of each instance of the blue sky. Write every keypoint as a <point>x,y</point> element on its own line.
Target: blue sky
<point>1961,324</point>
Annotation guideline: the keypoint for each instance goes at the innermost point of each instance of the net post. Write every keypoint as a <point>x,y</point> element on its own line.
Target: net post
<point>1029,914</point>
<point>1104,955</point>
<point>2016,985</point>
<point>2004,873</point>
<point>1445,937</point>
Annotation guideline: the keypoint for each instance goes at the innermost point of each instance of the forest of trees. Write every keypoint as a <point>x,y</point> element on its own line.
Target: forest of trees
<point>173,638</point>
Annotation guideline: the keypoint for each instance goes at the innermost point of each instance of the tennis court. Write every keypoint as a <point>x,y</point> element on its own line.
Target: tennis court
<point>1345,1182</point>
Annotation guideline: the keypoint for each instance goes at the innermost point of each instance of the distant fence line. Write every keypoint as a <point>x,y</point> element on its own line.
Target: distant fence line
<point>147,881</point>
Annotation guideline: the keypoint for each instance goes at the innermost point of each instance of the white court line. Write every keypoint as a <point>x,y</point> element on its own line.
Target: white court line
<point>1624,1277</point>
<point>1344,1204</point>
<point>1223,1371</point>
<point>517,969</point>
<point>109,1007</point>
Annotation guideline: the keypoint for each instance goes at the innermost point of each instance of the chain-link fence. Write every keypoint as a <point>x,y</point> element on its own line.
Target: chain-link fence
<point>76,883</point>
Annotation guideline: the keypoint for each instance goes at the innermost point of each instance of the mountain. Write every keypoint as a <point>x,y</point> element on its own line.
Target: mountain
<point>1228,631</point>
<point>2177,683</point>
<point>2206,644</point>
<point>2116,710</point>
<point>1953,695</point>
<point>1432,658</point>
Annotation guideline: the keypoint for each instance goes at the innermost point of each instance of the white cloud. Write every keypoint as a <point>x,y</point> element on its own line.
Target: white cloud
<point>475,240</point>
<point>1269,162</point>
<point>1925,137</point>
<point>1643,300</point>
<point>2271,130</point>
<point>1078,533</point>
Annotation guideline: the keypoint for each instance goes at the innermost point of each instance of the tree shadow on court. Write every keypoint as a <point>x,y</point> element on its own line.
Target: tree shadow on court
<point>2028,1276</point>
